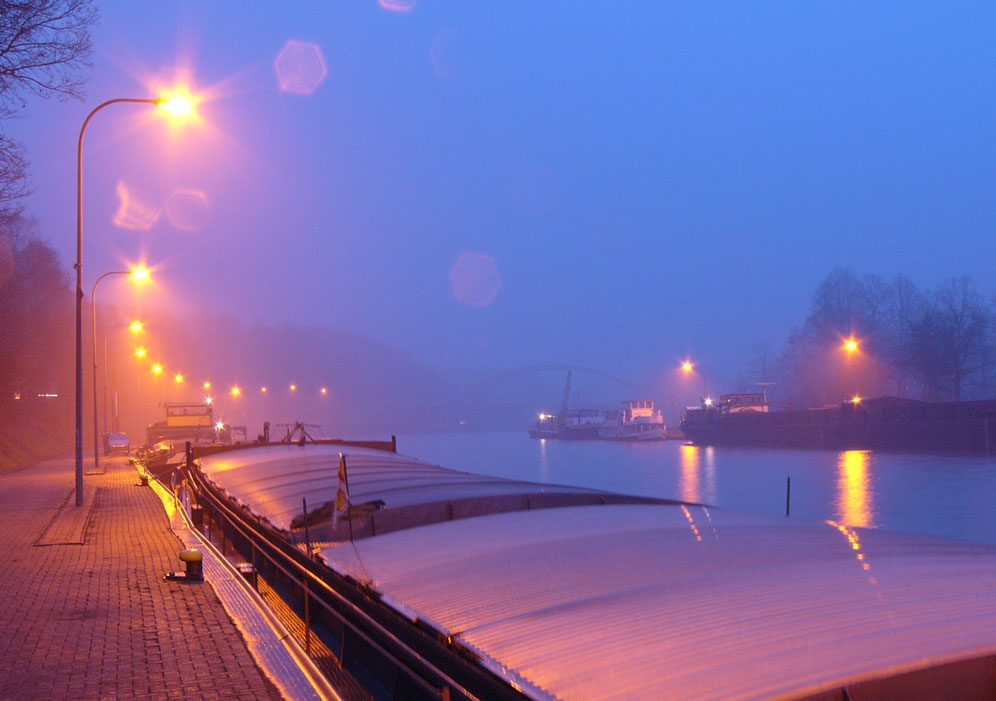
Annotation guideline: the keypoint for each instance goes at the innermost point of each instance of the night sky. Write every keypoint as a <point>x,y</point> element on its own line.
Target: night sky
<point>491,185</point>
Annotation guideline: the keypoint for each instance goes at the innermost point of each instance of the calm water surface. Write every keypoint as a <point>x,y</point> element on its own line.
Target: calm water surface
<point>952,497</point>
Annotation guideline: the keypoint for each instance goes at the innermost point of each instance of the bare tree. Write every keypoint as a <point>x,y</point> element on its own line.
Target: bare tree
<point>906,307</point>
<point>45,50</point>
<point>952,342</point>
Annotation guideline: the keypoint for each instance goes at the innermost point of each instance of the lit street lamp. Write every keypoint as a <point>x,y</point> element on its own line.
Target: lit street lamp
<point>177,106</point>
<point>688,368</point>
<point>138,274</point>
<point>134,326</point>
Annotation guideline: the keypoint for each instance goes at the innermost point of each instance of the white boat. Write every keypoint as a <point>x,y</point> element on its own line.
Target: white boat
<point>637,420</point>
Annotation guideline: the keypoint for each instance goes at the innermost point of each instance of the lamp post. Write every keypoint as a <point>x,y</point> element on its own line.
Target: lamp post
<point>134,326</point>
<point>178,106</point>
<point>688,368</point>
<point>138,274</point>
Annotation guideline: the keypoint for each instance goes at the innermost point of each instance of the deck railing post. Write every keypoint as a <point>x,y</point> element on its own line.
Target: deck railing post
<point>788,494</point>
<point>307,618</point>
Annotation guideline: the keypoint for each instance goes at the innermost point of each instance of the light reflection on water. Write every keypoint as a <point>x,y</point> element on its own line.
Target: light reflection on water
<point>948,496</point>
<point>690,473</point>
<point>855,499</point>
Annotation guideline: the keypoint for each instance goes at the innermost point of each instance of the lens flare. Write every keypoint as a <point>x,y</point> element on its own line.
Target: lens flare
<point>187,210</point>
<point>475,279</point>
<point>398,5</point>
<point>133,213</point>
<point>300,67</point>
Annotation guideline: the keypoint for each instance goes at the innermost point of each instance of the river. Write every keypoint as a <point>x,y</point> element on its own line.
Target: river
<point>946,496</point>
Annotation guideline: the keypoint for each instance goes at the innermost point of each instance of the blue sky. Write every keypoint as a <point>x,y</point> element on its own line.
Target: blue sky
<point>652,180</point>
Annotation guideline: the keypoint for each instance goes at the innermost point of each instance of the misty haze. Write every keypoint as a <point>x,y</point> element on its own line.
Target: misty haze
<point>523,350</point>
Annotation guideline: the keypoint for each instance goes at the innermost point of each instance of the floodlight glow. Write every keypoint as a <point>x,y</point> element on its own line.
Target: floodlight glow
<point>177,105</point>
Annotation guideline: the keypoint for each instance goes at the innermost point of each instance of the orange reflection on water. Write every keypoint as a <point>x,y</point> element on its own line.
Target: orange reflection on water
<point>691,523</point>
<point>690,461</point>
<point>854,495</point>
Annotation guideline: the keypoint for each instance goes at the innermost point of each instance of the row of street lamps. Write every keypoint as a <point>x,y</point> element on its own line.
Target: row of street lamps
<point>178,105</point>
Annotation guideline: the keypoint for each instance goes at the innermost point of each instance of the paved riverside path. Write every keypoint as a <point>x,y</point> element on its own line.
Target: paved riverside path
<point>96,620</point>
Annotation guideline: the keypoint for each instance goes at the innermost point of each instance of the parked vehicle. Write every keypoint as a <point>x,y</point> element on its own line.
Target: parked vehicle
<point>118,443</point>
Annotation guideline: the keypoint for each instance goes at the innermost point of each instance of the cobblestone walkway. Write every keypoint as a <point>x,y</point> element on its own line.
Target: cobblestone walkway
<point>96,620</point>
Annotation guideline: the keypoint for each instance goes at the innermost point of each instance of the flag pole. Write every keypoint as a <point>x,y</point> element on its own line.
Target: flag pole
<point>349,502</point>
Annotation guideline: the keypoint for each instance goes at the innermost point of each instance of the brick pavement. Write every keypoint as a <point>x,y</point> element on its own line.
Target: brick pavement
<point>96,620</point>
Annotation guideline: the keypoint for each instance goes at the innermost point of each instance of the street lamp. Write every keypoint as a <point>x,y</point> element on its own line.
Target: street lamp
<point>138,274</point>
<point>134,326</point>
<point>176,105</point>
<point>688,368</point>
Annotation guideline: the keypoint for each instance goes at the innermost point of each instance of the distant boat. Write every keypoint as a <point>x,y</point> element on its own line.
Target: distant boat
<point>637,420</point>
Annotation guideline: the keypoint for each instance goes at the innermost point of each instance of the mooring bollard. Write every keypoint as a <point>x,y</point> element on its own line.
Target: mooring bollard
<point>193,560</point>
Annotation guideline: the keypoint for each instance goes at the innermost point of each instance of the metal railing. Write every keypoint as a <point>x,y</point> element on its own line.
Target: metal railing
<point>361,645</point>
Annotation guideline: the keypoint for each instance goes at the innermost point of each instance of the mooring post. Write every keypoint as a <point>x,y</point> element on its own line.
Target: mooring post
<point>788,494</point>
<point>307,538</point>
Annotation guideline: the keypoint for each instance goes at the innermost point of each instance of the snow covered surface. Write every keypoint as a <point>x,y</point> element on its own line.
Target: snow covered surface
<point>657,601</point>
<point>642,600</point>
<point>271,480</point>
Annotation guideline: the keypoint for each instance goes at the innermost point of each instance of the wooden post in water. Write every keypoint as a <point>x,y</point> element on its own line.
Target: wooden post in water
<point>788,494</point>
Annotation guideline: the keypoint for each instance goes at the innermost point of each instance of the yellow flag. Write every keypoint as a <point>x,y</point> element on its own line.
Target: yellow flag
<point>341,492</point>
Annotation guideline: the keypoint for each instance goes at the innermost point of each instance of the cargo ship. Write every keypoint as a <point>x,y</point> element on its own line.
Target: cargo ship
<point>635,420</point>
<point>877,423</point>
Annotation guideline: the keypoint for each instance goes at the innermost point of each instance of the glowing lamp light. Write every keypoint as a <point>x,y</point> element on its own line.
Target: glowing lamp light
<point>325,390</point>
<point>263,390</point>
<point>220,425</point>
<point>140,352</point>
<point>687,367</point>
<point>135,326</point>
<point>856,399</point>
<point>140,273</point>
<point>707,401</point>
<point>293,388</point>
<point>178,378</point>
<point>851,345</point>
<point>208,400</point>
<point>207,385</point>
<point>177,105</point>
<point>157,369</point>
<point>236,391</point>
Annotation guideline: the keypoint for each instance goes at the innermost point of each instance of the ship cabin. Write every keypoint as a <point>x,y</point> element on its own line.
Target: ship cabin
<point>747,401</point>
<point>635,408</point>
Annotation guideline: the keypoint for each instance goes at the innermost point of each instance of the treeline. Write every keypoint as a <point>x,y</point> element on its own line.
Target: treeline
<point>36,346</point>
<point>937,344</point>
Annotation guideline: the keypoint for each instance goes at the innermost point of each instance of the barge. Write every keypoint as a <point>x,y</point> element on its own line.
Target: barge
<point>432,583</point>
<point>879,423</point>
